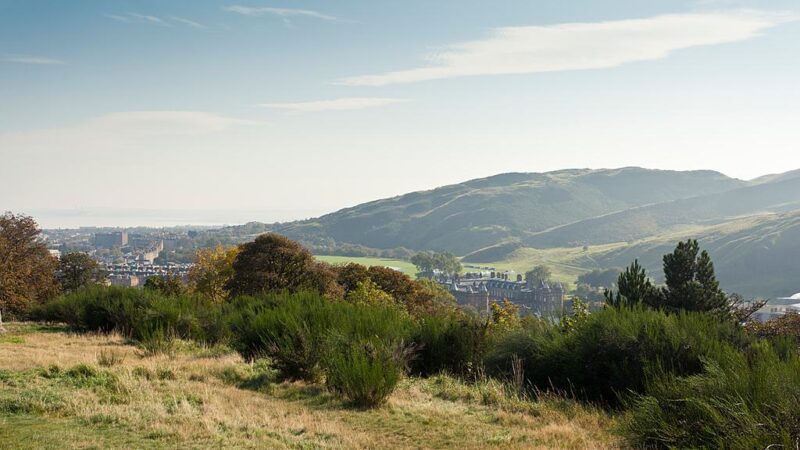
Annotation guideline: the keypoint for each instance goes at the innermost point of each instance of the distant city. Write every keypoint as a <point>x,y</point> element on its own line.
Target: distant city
<point>129,259</point>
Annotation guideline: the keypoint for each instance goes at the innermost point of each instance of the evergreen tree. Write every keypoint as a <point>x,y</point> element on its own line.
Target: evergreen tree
<point>634,287</point>
<point>691,283</point>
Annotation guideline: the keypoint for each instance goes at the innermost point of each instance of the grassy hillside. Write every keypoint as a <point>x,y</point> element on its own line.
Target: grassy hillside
<point>465,217</point>
<point>754,256</point>
<point>779,195</point>
<point>403,266</point>
<point>60,390</point>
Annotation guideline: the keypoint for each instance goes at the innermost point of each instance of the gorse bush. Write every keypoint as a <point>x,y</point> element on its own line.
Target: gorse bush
<point>364,371</point>
<point>137,314</point>
<point>291,329</point>
<point>740,400</point>
<point>448,342</point>
<point>615,351</point>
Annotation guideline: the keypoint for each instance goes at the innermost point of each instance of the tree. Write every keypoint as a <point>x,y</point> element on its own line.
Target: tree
<point>76,270</point>
<point>212,270</point>
<point>27,270</point>
<point>168,285</point>
<point>539,274</point>
<point>274,263</point>
<point>367,292</point>
<point>634,288</point>
<point>600,278</point>
<point>427,263</point>
<point>424,262</point>
<point>691,283</point>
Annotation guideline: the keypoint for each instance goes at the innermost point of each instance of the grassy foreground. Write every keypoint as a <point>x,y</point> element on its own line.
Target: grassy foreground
<point>64,390</point>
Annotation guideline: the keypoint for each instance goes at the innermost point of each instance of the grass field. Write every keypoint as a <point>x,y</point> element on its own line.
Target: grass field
<point>61,390</point>
<point>404,266</point>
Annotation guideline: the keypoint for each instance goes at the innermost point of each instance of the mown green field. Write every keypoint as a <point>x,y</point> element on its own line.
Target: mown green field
<point>404,266</point>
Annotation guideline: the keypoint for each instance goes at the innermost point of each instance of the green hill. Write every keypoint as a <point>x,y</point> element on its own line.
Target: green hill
<point>469,216</point>
<point>755,256</point>
<point>779,195</point>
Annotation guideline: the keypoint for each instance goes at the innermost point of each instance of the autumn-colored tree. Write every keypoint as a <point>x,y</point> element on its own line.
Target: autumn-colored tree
<point>367,292</point>
<point>504,315</point>
<point>350,275</point>
<point>76,270</point>
<point>274,263</point>
<point>212,270</point>
<point>430,297</point>
<point>27,270</point>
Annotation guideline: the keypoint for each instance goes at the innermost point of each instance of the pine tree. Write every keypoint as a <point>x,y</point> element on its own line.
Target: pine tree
<point>691,283</point>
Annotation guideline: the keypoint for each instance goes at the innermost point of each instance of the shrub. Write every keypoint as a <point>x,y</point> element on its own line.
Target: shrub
<point>365,371</point>
<point>109,358</point>
<point>452,343</point>
<point>132,312</point>
<point>615,351</point>
<point>155,338</point>
<point>742,400</point>
<point>290,329</point>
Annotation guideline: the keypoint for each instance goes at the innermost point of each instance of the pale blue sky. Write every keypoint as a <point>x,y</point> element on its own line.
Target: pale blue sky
<point>298,107</point>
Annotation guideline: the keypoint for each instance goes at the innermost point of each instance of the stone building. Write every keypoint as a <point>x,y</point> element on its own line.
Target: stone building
<point>542,299</point>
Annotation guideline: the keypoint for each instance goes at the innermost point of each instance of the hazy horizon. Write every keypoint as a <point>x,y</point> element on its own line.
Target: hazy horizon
<point>306,107</point>
<point>158,218</point>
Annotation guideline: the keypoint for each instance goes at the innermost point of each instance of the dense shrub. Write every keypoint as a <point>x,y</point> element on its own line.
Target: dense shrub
<point>291,328</point>
<point>615,351</point>
<point>137,314</point>
<point>741,400</point>
<point>364,371</point>
<point>449,342</point>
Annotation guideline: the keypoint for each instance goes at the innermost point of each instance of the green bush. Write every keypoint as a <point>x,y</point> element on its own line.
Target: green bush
<point>741,400</point>
<point>449,342</point>
<point>615,351</point>
<point>136,313</point>
<point>364,371</point>
<point>291,329</point>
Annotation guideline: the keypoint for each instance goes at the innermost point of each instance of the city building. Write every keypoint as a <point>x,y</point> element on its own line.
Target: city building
<point>110,240</point>
<point>542,299</point>
<point>778,307</point>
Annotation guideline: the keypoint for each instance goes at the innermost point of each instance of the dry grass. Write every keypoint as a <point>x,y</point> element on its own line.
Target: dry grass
<point>192,400</point>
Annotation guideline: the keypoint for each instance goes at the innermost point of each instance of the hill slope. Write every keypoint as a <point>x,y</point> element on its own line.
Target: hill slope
<point>465,217</point>
<point>755,256</point>
<point>780,195</point>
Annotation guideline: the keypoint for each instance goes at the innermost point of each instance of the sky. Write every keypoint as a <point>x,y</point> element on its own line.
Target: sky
<point>162,112</point>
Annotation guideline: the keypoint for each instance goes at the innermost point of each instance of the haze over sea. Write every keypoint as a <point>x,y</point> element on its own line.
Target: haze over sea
<point>104,217</point>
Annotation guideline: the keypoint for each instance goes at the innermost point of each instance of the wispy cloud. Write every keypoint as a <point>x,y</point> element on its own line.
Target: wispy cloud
<point>340,104</point>
<point>188,22</point>
<point>153,20</point>
<point>280,12</point>
<point>36,60</point>
<point>580,46</point>
<point>146,18</point>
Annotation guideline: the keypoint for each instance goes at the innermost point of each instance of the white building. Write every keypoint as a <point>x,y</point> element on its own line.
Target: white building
<point>778,307</point>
